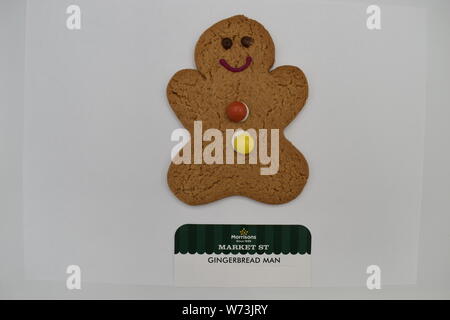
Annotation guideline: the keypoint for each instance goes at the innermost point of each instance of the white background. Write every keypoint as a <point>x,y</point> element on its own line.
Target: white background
<point>97,127</point>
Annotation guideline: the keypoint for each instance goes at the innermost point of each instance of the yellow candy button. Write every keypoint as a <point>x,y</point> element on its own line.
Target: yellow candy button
<point>243,142</point>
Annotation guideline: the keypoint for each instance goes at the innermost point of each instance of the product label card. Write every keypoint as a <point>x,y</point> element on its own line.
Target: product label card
<point>242,255</point>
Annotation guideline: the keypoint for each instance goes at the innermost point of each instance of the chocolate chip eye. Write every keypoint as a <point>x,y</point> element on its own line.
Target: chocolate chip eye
<point>227,43</point>
<point>247,41</point>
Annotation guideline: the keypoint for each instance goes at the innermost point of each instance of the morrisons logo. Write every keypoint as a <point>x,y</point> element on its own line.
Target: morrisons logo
<point>243,235</point>
<point>243,242</point>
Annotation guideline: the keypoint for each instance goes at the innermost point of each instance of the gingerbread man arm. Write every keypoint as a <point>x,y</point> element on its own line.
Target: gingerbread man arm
<point>182,92</point>
<point>293,87</point>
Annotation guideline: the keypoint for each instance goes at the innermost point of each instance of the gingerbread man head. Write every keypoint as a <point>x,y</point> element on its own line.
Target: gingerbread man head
<point>236,44</point>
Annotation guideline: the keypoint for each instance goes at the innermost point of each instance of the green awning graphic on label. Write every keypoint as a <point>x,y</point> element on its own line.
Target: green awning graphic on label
<point>242,239</point>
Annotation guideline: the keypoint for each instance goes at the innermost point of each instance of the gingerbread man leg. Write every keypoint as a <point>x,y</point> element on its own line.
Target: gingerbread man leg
<point>287,183</point>
<point>199,184</point>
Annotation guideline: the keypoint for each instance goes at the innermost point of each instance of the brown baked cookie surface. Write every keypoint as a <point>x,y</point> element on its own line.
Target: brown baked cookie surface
<point>233,59</point>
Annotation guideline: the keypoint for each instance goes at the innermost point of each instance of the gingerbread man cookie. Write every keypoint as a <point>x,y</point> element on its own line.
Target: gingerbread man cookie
<point>233,88</point>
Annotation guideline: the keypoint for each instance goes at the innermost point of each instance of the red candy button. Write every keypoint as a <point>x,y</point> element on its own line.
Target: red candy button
<point>237,111</point>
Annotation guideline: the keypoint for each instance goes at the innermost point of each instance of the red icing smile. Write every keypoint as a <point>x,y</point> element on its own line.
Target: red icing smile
<point>225,64</point>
